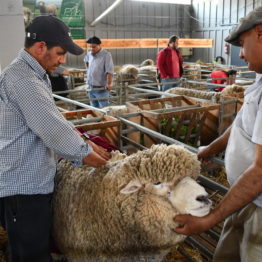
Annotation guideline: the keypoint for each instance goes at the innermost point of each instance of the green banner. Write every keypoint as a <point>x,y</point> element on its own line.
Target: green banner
<point>78,33</point>
<point>72,12</point>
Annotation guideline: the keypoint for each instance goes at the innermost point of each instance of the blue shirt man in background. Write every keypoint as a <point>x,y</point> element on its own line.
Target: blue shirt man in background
<point>100,69</point>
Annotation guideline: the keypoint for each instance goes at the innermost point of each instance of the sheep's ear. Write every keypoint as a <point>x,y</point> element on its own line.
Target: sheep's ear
<point>131,187</point>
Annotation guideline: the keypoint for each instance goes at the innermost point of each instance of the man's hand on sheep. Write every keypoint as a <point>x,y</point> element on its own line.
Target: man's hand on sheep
<point>94,160</point>
<point>203,154</point>
<point>100,150</point>
<point>191,225</point>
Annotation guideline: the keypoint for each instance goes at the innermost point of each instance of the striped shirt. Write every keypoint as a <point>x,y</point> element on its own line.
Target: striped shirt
<point>98,66</point>
<point>32,130</point>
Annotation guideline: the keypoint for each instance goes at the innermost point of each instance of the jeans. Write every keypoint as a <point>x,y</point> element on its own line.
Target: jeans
<point>98,94</point>
<point>27,220</point>
<point>166,83</point>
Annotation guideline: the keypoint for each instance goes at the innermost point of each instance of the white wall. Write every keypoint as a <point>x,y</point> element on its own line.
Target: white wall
<point>11,30</point>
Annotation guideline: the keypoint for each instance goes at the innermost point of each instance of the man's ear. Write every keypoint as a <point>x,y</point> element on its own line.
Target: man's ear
<point>40,48</point>
<point>258,29</point>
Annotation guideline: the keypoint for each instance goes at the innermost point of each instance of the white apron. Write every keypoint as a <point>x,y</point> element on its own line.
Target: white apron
<point>239,156</point>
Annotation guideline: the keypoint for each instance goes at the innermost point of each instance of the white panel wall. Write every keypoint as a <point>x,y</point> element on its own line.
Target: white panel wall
<point>215,19</point>
<point>132,19</point>
<point>11,30</point>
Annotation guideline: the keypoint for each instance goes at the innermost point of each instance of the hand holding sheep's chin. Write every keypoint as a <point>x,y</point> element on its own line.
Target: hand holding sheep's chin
<point>191,225</point>
<point>100,151</point>
<point>94,160</point>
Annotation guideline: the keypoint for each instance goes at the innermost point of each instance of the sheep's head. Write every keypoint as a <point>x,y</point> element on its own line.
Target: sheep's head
<point>186,197</point>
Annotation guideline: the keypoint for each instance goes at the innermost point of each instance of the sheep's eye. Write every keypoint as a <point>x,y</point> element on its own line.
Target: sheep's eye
<point>157,184</point>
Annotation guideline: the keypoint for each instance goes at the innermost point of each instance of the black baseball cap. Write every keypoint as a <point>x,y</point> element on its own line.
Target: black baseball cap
<point>94,40</point>
<point>51,29</point>
<point>246,23</point>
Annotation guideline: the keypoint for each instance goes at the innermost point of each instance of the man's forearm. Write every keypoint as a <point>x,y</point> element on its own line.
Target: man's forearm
<point>244,190</point>
<point>219,145</point>
<point>109,78</point>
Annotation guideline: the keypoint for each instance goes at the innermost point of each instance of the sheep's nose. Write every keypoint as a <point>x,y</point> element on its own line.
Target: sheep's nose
<point>203,198</point>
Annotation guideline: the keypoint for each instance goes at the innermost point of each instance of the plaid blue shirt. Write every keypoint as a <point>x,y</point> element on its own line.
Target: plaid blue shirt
<point>32,130</point>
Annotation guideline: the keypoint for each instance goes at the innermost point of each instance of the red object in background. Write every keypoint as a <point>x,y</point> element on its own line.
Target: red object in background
<point>219,74</point>
<point>100,141</point>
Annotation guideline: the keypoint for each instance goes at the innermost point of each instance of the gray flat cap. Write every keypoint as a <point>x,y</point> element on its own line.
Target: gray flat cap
<point>246,23</point>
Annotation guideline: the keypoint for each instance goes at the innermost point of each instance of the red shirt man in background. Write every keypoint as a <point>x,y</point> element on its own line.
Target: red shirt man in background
<point>170,64</point>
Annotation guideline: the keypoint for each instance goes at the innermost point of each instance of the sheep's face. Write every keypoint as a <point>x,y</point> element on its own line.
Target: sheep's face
<point>187,197</point>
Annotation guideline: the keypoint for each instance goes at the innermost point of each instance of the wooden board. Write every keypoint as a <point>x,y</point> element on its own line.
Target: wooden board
<point>186,124</point>
<point>148,43</point>
<point>108,127</point>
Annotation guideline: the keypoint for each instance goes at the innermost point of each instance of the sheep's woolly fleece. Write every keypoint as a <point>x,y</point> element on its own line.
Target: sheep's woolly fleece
<point>91,216</point>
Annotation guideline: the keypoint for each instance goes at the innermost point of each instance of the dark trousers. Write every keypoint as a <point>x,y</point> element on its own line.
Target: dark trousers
<point>27,220</point>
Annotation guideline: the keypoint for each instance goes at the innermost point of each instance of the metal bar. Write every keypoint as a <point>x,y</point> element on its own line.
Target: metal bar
<point>133,142</point>
<point>166,139</point>
<point>131,114</point>
<point>78,103</point>
<point>62,109</point>
<point>127,147</point>
<point>227,115</point>
<point>152,91</point>
<point>205,83</point>
<point>206,182</point>
<point>184,253</point>
<point>86,120</point>
<point>128,131</point>
<point>143,94</point>
<point>213,234</point>
<point>173,109</point>
<point>196,244</point>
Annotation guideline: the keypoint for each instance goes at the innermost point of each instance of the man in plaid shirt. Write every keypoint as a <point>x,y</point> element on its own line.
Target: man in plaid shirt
<point>32,133</point>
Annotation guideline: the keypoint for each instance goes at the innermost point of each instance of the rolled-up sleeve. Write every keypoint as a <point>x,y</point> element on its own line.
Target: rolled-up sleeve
<point>109,65</point>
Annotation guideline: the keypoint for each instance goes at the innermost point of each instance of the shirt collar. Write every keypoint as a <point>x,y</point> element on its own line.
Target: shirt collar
<point>32,62</point>
<point>254,86</point>
<point>99,53</point>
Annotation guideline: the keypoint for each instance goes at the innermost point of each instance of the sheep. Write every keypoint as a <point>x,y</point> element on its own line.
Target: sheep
<point>233,89</point>
<point>192,72</point>
<point>147,62</point>
<point>124,211</point>
<point>149,70</point>
<point>80,95</point>
<point>28,16</point>
<point>116,110</point>
<point>214,96</point>
<point>50,9</point>
<point>128,73</point>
